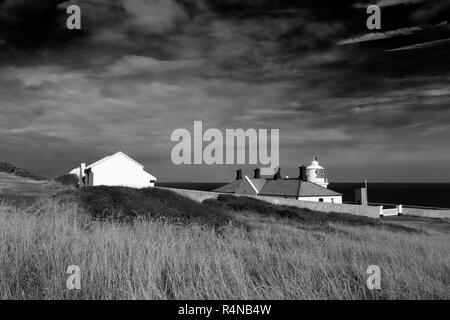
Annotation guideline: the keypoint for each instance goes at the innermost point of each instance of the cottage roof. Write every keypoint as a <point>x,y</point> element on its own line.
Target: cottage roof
<point>109,157</point>
<point>282,187</point>
<point>229,187</point>
<point>258,183</point>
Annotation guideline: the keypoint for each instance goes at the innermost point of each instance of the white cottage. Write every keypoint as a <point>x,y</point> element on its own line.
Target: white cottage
<point>116,170</point>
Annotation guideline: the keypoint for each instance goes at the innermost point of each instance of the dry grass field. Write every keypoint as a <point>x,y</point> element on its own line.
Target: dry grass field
<point>153,244</point>
<point>18,189</point>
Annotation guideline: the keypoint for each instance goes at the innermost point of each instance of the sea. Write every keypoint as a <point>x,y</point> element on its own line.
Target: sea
<point>434,195</point>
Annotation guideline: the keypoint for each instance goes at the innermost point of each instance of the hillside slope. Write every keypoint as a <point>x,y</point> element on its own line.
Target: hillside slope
<point>19,189</point>
<point>10,168</point>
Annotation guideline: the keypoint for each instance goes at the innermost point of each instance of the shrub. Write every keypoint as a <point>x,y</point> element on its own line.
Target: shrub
<point>68,180</point>
<point>7,167</point>
<point>126,204</point>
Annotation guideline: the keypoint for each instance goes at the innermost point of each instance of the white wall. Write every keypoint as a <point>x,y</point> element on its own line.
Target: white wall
<point>331,199</point>
<point>120,171</point>
<point>312,177</point>
<point>442,214</point>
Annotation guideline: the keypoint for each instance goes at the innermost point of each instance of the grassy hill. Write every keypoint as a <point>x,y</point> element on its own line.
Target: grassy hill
<point>10,168</point>
<point>154,244</point>
<point>18,189</point>
<point>127,205</point>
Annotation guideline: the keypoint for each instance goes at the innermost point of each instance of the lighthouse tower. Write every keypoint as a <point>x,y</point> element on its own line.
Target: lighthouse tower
<point>316,174</point>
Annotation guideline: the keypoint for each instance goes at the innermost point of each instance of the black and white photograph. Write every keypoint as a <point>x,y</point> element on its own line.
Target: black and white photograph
<point>230,158</point>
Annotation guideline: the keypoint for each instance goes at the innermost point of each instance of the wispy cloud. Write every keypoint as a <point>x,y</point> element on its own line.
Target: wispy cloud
<point>390,3</point>
<point>421,45</point>
<point>381,35</point>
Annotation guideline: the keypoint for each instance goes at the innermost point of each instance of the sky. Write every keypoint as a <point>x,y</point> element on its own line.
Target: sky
<point>371,104</point>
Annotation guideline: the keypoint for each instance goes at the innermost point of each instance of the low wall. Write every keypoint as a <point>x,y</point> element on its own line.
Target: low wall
<point>428,213</point>
<point>366,211</point>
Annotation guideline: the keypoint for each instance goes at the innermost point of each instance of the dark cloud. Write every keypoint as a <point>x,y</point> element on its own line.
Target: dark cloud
<point>28,24</point>
<point>139,69</point>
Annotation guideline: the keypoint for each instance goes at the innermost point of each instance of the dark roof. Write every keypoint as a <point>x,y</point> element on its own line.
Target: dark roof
<point>258,183</point>
<point>309,189</point>
<point>230,187</point>
<point>282,187</point>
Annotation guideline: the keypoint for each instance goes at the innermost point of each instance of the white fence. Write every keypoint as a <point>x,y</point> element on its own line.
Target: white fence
<point>398,210</point>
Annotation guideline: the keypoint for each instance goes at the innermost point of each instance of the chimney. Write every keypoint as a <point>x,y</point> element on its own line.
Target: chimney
<point>82,168</point>
<point>257,173</point>
<point>302,175</point>
<point>239,174</point>
<point>277,175</point>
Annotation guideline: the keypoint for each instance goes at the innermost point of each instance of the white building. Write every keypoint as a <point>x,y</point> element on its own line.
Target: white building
<point>311,185</point>
<point>116,170</point>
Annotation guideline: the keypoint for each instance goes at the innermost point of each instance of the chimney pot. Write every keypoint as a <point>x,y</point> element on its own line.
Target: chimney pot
<point>302,175</point>
<point>277,175</point>
<point>82,174</point>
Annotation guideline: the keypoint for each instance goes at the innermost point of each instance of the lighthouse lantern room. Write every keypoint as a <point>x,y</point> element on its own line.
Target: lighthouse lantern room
<point>316,174</point>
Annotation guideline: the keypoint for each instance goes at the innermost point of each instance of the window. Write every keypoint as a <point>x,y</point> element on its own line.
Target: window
<point>321,200</point>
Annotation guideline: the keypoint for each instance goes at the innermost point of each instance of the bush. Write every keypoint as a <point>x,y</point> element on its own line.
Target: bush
<point>7,167</point>
<point>68,180</point>
<point>126,204</point>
